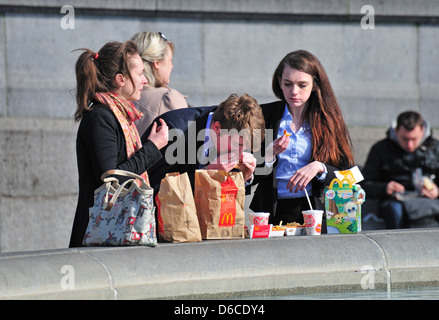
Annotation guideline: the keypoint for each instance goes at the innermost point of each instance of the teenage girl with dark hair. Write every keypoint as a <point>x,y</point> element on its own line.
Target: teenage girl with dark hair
<point>107,82</point>
<point>319,143</point>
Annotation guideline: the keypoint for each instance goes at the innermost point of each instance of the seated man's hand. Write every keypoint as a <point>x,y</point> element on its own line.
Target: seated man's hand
<point>393,187</point>
<point>433,193</point>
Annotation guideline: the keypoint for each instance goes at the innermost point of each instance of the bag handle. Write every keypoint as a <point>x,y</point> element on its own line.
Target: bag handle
<point>115,196</point>
<point>107,179</point>
<point>122,173</point>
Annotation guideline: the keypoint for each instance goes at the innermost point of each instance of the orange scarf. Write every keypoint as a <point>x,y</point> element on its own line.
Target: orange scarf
<point>126,113</point>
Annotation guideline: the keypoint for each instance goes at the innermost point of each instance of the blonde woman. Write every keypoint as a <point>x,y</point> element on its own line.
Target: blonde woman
<point>156,52</point>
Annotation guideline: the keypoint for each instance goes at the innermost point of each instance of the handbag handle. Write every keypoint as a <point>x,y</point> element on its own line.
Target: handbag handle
<point>105,177</point>
<point>122,173</point>
<point>115,196</point>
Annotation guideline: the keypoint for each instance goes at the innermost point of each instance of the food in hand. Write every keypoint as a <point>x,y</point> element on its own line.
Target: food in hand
<point>240,161</point>
<point>428,184</point>
<point>286,134</point>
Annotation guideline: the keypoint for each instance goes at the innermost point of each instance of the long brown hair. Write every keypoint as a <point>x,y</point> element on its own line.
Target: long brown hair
<point>95,72</point>
<point>331,142</point>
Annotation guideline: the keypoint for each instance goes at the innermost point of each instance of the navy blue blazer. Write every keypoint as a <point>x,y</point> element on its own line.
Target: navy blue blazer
<point>189,122</point>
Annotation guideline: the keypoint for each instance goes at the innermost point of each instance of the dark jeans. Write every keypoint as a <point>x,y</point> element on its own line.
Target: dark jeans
<point>393,213</point>
<point>396,217</point>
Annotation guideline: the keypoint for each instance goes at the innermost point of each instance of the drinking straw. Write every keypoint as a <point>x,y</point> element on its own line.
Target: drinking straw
<point>307,197</point>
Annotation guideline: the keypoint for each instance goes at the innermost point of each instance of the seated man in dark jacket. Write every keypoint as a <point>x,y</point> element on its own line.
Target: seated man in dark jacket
<point>403,172</point>
<point>218,137</point>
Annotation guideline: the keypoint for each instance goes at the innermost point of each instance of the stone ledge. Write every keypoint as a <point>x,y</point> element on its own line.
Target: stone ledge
<point>224,268</point>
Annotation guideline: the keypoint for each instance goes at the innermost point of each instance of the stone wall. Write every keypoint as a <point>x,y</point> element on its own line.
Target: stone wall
<point>222,47</point>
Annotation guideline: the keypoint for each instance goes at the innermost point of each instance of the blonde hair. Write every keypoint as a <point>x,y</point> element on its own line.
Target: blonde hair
<point>152,48</point>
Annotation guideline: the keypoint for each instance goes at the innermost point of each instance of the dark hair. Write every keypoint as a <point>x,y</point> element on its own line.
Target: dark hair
<point>331,142</point>
<point>95,72</point>
<point>409,120</point>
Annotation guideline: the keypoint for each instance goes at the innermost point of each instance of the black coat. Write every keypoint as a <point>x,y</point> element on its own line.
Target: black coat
<point>387,161</point>
<point>265,196</point>
<point>100,146</point>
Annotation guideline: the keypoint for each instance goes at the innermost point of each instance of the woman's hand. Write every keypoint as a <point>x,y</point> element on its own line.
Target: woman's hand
<point>277,146</point>
<point>159,134</point>
<point>304,175</point>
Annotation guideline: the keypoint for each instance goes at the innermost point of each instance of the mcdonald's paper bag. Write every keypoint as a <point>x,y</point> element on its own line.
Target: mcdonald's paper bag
<point>176,211</point>
<point>219,198</point>
<point>343,202</point>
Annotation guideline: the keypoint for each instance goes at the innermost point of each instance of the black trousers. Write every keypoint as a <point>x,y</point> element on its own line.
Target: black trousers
<point>290,210</point>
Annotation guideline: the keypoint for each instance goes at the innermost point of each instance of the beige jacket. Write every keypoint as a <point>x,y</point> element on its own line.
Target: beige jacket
<point>156,101</point>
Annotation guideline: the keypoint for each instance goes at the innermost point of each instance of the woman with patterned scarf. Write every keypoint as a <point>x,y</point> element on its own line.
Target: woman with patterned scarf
<point>107,82</point>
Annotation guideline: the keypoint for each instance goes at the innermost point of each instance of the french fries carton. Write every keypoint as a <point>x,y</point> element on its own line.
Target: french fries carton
<point>343,200</point>
<point>295,229</point>
<point>277,231</point>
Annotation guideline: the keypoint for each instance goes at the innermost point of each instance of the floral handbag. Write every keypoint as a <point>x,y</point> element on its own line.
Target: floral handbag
<point>123,214</point>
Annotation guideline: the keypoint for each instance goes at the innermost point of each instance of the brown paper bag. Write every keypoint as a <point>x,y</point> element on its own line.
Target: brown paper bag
<point>219,198</point>
<point>176,211</point>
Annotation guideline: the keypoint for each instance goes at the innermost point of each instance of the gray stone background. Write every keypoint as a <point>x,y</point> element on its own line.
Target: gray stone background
<point>222,47</point>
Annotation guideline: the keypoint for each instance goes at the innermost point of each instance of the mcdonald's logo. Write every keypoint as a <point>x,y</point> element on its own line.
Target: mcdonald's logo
<point>340,183</point>
<point>227,219</point>
<point>229,192</point>
<point>349,176</point>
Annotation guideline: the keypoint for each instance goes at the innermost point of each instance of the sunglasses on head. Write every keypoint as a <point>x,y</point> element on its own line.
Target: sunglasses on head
<point>163,36</point>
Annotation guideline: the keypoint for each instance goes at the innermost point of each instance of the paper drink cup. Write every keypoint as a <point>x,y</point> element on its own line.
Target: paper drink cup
<point>313,222</point>
<point>259,218</point>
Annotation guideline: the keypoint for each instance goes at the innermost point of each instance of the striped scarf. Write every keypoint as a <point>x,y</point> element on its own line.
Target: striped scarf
<point>126,113</point>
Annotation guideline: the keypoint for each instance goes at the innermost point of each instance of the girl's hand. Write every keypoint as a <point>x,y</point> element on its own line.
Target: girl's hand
<point>277,146</point>
<point>304,175</point>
